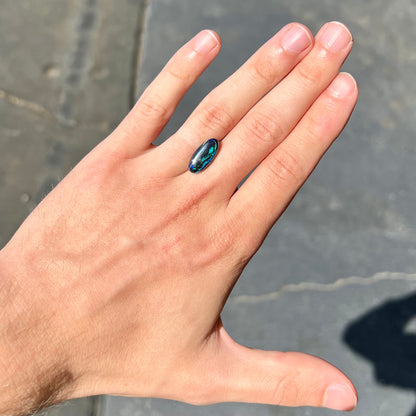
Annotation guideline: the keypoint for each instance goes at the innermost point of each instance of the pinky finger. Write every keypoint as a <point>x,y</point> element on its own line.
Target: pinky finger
<point>158,102</point>
<point>270,188</point>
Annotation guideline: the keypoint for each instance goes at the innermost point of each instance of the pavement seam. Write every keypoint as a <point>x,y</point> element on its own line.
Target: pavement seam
<point>79,58</point>
<point>98,406</point>
<point>323,287</point>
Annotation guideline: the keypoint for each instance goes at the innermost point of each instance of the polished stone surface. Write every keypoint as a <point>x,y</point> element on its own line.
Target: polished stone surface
<point>203,156</point>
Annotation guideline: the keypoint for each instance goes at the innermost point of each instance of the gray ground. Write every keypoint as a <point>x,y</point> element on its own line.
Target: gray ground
<point>336,276</point>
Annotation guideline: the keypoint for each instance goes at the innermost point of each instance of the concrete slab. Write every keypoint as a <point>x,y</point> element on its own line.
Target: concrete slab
<point>79,56</point>
<point>81,407</point>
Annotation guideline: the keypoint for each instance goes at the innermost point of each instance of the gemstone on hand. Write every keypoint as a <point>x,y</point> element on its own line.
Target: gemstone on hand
<point>203,156</point>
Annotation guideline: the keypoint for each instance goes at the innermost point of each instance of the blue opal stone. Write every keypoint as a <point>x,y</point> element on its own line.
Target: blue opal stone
<point>203,156</point>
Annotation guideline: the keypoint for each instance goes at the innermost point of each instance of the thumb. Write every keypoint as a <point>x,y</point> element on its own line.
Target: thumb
<point>281,378</point>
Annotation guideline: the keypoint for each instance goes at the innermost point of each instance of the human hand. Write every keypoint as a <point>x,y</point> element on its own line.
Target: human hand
<point>119,276</point>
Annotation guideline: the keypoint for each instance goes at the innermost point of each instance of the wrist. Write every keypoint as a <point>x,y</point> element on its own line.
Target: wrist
<point>33,374</point>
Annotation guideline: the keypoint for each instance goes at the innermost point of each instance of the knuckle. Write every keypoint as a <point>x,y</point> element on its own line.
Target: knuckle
<point>216,117</point>
<point>286,391</point>
<point>284,167</point>
<point>229,240</point>
<point>178,72</point>
<point>310,74</point>
<point>151,107</point>
<point>316,127</point>
<point>239,244</point>
<point>224,237</point>
<point>264,128</point>
<point>323,122</point>
<point>264,68</point>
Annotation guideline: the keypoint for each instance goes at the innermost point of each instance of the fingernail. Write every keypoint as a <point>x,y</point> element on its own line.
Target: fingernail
<point>205,42</point>
<point>340,397</point>
<point>342,86</point>
<point>296,40</point>
<point>334,36</point>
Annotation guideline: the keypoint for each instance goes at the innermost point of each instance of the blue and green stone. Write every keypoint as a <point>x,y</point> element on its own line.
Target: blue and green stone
<point>203,156</point>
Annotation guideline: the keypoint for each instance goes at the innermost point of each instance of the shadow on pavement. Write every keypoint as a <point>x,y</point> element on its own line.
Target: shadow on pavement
<point>381,337</point>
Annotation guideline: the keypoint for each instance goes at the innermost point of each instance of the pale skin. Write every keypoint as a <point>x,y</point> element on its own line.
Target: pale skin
<point>116,282</point>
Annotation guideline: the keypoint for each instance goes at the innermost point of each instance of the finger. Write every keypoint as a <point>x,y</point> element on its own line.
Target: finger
<point>235,373</point>
<point>272,119</point>
<point>156,105</point>
<point>219,112</point>
<point>276,180</point>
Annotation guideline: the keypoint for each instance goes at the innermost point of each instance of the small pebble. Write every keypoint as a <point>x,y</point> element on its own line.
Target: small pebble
<point>25,198</point>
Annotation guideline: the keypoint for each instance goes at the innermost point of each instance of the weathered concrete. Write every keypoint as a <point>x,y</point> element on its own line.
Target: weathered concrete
<point>81,407</point>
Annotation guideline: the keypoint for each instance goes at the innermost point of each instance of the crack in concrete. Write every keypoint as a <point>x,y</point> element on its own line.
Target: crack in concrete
<point>42,112</point>
<point>323,287</point>
<point>78,60</point>
<point>25,104</point>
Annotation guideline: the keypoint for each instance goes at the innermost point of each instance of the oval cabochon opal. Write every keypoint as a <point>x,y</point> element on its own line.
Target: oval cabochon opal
<point>203,156</point>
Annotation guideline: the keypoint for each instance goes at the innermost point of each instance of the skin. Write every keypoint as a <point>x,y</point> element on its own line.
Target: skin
<point>116,282</point>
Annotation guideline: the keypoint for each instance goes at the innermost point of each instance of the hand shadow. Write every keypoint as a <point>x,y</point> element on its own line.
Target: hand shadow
<point>380,336</point>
